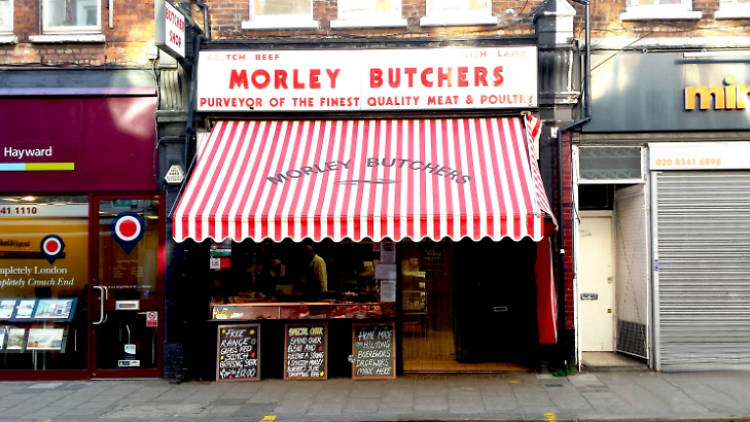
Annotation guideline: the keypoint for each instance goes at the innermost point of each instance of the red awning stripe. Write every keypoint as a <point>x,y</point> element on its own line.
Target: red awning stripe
<point>358,179</point>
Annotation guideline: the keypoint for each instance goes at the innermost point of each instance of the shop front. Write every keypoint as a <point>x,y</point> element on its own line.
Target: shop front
<point>672,180</point>
<point>426,229</point>
<point>80,233</point>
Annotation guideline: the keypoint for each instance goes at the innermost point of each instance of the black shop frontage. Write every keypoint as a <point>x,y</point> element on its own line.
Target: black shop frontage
<point>364,213</point>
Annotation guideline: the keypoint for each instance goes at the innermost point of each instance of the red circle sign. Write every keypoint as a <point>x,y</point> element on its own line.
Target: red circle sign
<point>128,228</point>
<point>52,246</point>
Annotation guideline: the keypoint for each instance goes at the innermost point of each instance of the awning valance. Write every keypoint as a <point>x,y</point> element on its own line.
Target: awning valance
<point>426,178</point>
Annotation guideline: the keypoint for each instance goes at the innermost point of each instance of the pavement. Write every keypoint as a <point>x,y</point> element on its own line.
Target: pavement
<point>611,396</point>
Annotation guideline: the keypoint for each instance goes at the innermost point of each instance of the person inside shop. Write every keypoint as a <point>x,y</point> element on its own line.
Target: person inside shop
<point>316,278</point>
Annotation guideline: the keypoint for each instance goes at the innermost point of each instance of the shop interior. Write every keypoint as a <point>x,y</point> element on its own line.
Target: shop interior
<point>461,306</point>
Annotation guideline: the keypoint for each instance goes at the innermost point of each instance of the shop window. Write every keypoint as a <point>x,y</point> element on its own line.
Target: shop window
<point>660,9</point>
<point>66,16</point>
<point>611,164</point>
<point>43,275</point>
<point>282,280</point>
<point>733,9</point>
<point>6,16</point>
<point>368,13</point>
<point>278,14</point>
<point>458,12</point>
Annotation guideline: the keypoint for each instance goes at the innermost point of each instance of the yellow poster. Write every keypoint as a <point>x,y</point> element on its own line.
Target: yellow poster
<point>43,256</point>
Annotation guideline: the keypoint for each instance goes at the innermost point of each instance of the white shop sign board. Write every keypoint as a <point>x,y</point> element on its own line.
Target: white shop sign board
<point>367,79</point>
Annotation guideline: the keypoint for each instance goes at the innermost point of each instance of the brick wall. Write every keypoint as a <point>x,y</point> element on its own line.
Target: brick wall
<point>127,43</point>
<point>516,18</point>
<point>606,22</point>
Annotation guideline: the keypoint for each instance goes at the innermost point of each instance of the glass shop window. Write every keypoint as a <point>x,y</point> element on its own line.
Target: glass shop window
<point>337,279</point>
<point>6,16</point>
<point>43,275</point>
<point>368,13</point>
<point>65,16</point>
<point>274,14</point>
<point>458,12</point>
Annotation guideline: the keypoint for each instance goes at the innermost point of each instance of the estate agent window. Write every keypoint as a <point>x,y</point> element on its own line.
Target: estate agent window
<point>43,274</point>
<point>63,16</point>
<point>272,14</point>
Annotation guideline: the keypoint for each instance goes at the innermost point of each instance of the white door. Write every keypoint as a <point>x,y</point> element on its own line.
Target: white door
<point>596,283</point>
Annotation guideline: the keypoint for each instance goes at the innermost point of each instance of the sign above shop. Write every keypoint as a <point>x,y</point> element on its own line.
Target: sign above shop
<point>169,29</point>
<point>354,80</point>
<point>725,96</point>
<point>699,155</point>
<point>637,92</point>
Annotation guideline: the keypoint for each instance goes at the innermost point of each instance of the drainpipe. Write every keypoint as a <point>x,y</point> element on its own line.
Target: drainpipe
<point>206,20</point>
<point>586,99</point>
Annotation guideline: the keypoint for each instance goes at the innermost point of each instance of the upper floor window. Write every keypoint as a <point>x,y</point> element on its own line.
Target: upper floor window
<point>6,15</point>
<point>272,14</point>
<point>62,16</point>
<point>370,13</point>
<point>458,12</point>
<point>733,9</point>
<point>660,9</point>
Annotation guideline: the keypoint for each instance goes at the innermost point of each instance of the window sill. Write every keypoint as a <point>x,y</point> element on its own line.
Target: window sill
<point>457,20</point>
<point>287,24</point>
<point>67,38</point>
<point>364,23</point>
<point>726,13</point>
<point>661,14</point>
<point>8,39</point>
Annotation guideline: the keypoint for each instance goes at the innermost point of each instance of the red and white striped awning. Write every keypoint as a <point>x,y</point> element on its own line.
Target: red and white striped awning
<point>434,178</point>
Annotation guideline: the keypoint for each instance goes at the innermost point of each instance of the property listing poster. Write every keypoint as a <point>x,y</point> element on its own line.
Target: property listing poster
<point>25,267</point>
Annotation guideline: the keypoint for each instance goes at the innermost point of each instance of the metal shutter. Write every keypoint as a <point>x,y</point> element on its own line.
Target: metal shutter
<point>703,270</point>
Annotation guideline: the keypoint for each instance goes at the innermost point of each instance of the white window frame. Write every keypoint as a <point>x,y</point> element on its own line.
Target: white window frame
<point>466,17</point>
<point>9,28</point>
<point>732,9</point>
<point>71,29</point>
<point>684,10</point>
<point>371,18</point>
<point>298,21</point>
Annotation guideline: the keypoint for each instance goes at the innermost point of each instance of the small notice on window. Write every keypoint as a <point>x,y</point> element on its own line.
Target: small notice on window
<point>387,290</point>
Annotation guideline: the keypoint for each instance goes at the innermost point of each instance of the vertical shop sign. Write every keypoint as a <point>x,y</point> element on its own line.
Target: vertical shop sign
<point>238,352</point>
<point>306,351</point>
<point>373,350</point>
<point>169,29</point>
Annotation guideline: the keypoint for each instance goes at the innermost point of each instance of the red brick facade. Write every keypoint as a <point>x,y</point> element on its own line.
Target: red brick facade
<point>606,22</point>
<point>126,44</point>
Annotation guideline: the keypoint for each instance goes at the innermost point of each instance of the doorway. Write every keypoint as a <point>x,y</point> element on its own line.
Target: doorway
<point>126,293</point>
<point>596,278</point>
<point>496,301</point>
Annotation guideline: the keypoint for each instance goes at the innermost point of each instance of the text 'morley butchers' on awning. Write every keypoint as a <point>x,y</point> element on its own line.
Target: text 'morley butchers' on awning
<point>359,179</point>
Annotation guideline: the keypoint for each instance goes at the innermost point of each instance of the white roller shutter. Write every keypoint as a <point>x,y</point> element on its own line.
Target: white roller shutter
<point>702,270</point>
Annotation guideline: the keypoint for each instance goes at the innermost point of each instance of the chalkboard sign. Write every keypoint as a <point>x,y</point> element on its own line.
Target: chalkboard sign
<point>238,352</point>
<point>373,350</point>
<point>306,351</point>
